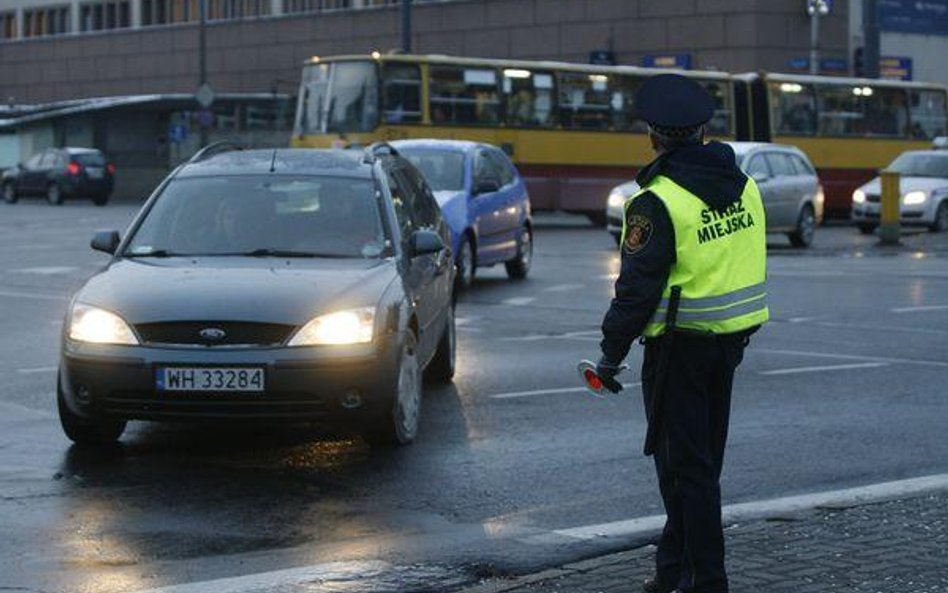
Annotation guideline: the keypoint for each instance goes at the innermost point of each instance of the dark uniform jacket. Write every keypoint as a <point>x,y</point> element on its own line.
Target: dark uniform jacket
<point>648,249</point>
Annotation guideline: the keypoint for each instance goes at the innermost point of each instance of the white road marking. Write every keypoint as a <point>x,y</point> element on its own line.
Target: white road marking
<point>936,363</point>
<point>269,581</point>
<point>46,270</point>
<point>775,506</point>
<point>920,309</point>
<point>32,295</point>
<point>519,394</point>
<point>519,301</point>
<point>462,321</point>
<point>37,370</point>
<point>801,319</point>
<point>831,367</point>
<point>563,288</point>
<point>581,335</point>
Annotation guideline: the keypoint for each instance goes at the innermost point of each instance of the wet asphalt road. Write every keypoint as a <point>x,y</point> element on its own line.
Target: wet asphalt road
<point>845,387</point>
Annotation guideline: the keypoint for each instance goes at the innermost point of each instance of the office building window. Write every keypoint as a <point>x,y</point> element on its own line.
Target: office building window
<point>7,25</point>
<point>53,20</point>
<point>104,14</point>
<point>237,9</point>
<point>167,12</point>
<point>297,6</point>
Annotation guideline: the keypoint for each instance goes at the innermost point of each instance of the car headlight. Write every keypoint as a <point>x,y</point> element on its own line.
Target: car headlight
<point>98,326</point>
<point>354,326</point>
<point>859,197</point>
<point>913,198</point>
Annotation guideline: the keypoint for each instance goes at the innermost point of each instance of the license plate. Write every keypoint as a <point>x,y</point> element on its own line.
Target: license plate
<point>210,379</point>
<point>94,173</point>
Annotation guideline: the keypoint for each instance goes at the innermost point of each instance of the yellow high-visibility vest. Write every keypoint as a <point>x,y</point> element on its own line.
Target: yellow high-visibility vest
<point>721,261</point>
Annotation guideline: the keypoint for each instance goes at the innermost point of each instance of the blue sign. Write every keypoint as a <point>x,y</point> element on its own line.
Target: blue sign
<point>834,66</point>
<point>178,133</point>
<point>799,64</point>
<point>602,57</point>
<point>927,17</point>
<point>895,68</point>
<point>671,61</point>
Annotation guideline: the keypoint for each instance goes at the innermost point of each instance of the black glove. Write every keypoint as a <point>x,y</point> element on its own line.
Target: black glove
<point>607,370</point>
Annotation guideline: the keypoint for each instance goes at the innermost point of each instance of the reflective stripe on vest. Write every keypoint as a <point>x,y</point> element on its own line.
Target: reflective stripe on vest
<point>721,261</point>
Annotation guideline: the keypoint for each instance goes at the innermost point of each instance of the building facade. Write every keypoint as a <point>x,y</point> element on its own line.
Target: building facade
<point>65,49</point>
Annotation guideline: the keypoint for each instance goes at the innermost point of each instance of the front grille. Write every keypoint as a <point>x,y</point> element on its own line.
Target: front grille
<point>278,405</point>
<point>873,198</point>
<point>235,333</point>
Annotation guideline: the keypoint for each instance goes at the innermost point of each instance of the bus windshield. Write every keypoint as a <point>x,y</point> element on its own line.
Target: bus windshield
<point>338,98</point>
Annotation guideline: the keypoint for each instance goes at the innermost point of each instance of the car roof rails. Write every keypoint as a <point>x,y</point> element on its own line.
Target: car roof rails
<point>214,148</point>
<point>377,149</point>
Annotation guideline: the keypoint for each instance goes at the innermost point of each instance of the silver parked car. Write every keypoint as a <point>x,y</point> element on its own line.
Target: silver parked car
<point>924,189</point>
<point>789,187</point>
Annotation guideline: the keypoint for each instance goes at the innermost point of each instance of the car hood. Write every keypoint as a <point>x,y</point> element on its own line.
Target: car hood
<point>908,184</point>
<point>265,290</point>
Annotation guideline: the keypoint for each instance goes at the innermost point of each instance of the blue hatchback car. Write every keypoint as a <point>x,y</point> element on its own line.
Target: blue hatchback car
<point>484,201</point>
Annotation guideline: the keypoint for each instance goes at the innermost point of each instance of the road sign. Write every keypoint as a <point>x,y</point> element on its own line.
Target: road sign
<point>895,68</point>
<point>672,61</point>
<point>205,118</point>
<point>205,95</point>
<point>602,57</point>
<point>178,133</point>
<point>928,17</point>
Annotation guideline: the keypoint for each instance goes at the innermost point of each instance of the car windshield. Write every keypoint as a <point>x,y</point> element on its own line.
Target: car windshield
<point>442,169</point>
<point>921,165</point>
<point>263,216</point>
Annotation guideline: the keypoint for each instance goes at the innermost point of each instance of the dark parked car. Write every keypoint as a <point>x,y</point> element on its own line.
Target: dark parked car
<point>285,285</point>
<point>60,173</point>
<point>484,200</point>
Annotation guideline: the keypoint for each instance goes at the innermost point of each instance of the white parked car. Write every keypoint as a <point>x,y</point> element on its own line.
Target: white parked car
<point>789,188</point>
<point>923,187</point>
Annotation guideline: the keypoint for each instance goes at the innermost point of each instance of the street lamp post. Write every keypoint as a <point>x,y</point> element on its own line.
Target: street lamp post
<point>202,57</point>
<point>406,26</point>
<point>816,9</point>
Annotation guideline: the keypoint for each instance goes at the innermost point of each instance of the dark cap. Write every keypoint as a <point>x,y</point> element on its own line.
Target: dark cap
<point>673,101</point>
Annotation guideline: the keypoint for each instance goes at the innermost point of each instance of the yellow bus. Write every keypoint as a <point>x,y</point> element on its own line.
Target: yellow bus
<point>849,127</point>
<point>570,128</point>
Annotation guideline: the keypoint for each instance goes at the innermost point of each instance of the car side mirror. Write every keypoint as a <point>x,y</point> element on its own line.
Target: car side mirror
<point>106,241</point>
<point>760,177</point>
<point>486,185</point>
<point>425,242</point>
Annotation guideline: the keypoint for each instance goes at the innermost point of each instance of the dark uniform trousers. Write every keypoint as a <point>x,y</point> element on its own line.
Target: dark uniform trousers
<point>689,455</point>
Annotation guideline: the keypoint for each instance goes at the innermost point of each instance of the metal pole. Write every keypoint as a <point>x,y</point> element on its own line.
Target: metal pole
<point>870,35</point>
<point>202,57</point>
<point>406,26</point>
<point>889,228</point>
<point>815,42</point>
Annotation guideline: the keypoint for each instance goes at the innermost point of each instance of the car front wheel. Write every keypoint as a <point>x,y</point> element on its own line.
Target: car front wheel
<point>83,431</point>
<point>54,195</point>
<point>466,263</point>
<point>399,425</point>
<point>802,236</point>
<point>519,266</point>
<point>941,219</point>
<point>9,193</point>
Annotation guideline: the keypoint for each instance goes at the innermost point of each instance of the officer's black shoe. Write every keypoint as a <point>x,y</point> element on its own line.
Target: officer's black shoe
<point>652,585</point>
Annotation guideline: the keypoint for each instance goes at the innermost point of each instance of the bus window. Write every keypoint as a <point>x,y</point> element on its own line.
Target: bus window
<point>312,102</point>
<point>720,124</point>
<point>929,114</point>
<point>529,97</point>
<point>841,110</point>
<point>401,90</point>
<point>624,116</point>
<point>886,112</point>
<point>585,101</point>
<point>793,108</point>
<point>353,98</point>
<point>466,96</point>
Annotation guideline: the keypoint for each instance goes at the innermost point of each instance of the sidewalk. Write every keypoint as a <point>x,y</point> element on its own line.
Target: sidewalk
<point>899,546</point>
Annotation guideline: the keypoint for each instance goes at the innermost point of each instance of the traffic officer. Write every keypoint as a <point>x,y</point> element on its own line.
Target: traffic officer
<point>691,285</point>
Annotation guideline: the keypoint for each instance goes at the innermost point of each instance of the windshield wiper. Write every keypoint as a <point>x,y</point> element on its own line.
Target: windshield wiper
<point>266,252</point>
